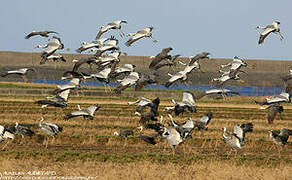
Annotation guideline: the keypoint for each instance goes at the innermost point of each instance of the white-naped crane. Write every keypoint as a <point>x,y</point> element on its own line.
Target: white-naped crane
<point>149,114</point>
<point>74,84</point>
<point>287,76</point>
<point>53,45</point>
<point>114,25</point>
<point>274,109</point>
<point>236,64</point>
<point>216,91</point>
<point>284,96</point>
<point>198,57</point>
<point>71,75</point>
<point>49,129</point>
<point>60,100</point>
<point>150,139</point>
<point>40,33</point>
<point>85,113</point>
<point>56,58</point>
<point>110,45</point>
<point>236,139</point>
<point>94,44</point>
<point>182,75</point>
<point>163,55</point>
<point>22,72</point>
<point>128,81</point>
<point>146,32</point>
<point>188,102</point>
<point>273,27</point>
<point>172,136</point>
<point>204,121</point>
<point>185,129</point>
<point>145,80</point>
<point>280,137</point>
<point>158,126</point>
<point>124,132</point>
<point>103,76</point>
<point>6,134</point>
<point>108,59</point>
<point>169,62</point>
<point>23,130</point>
<point>224,78</point>
<point>141,104</point>
<point>78,62</point>
<point>123,70</point>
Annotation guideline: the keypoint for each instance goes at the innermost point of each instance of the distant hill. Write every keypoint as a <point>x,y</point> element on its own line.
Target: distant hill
<point>260,72</point>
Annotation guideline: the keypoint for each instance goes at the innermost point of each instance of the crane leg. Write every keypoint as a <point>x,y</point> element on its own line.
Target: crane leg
<point>203,144</point>
<point>53,141</point>
<point>104,85</point>
<point>3,148</point>
<point>280,35</point>
<point>25,79</point>
<point>173,150</point>
<point>153,40</point>
<point>125,142</point>
<point>47,142</point>
<point>280,116</point>
<point>122,34</point>
<point>110,90</point>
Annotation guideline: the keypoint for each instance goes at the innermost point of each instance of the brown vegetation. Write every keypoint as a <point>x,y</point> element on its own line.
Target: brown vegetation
<point>89,148</point>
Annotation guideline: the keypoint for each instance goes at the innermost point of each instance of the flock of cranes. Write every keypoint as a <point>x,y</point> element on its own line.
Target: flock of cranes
<point>107,59</point>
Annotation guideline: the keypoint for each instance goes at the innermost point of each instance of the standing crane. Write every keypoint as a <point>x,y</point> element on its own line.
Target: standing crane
<point>49,129</point>
<point>236,139</point>
<point>6,134</point>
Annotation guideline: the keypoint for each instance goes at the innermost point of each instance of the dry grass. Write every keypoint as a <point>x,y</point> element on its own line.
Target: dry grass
<point>88,147</point>
<point>147,170</point>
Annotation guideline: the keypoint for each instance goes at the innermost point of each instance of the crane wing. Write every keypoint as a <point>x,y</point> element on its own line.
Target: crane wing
<point>189,98</point>
<point>265,33</point>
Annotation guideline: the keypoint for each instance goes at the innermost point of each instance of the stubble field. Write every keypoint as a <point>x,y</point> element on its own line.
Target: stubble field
<point>89,148</point>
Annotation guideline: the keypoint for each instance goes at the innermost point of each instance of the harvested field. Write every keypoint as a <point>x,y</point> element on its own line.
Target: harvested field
<point>89,148</point>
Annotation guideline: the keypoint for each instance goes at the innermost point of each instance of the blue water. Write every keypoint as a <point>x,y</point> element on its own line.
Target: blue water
<point>243,90</point>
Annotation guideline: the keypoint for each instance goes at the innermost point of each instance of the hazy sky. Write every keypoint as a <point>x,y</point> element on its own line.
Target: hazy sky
<point>223,27</point>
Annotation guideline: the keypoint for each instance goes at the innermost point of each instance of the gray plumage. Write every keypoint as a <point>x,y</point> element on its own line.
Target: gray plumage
<point>187,103</point>
<point>60,100</point>
<point>280,137</point>
<point>236,138</point>
<point>50,129</point>
<point>86,113</point>
<point>196,58</point>
<point>21,72</point>
<point>109,26</point>
<point>23,130</point>
<point>185,129</point>
<point>152,113</point>
<point>125,133</point>
<point>40,33</point>
<point>146,32</point>
<point>54,44</point>
<point>204,121</point>
<point>273,27</point>
<point>159,57</point>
